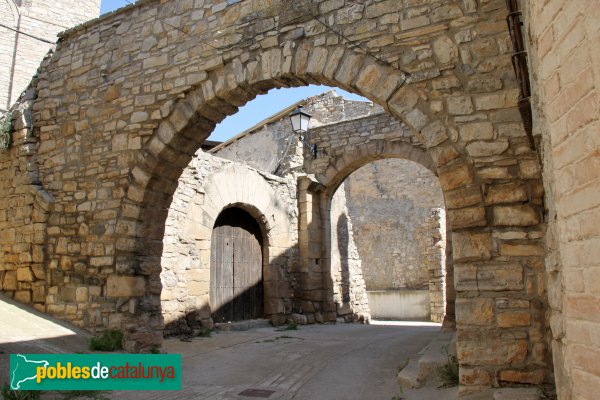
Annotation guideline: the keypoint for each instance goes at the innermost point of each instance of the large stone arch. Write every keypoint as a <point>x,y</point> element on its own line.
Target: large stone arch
<point>338,169</point>
<point>125,102</point>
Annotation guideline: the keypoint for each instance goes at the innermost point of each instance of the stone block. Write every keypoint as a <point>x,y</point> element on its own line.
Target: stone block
<point>463,197</point>
<point>24,274</point>
<point>491,350</point>
<point>530,169</point>
<point>459,105</point>
<point>515,376</point>
<point>487,149</point>
<point>477,131</point>
<point>522,215</point>
<point>125,286</point>
<point>467,217</point>
<point>504,99</point>
<point>521,250</point>
<point>465,277</point>
<point>500,276</point>
<point>10,281</point>
<point>38,293</point>
<point>475,311</point>
<point>471,246</point>
<point>196,288</point>
<point>456,175</point>
<point>511,319</point>
<point>403,100</point>
<point>66,293</point>
<point>23,296</point>
<point>506,193</point>
<point>474,376</point>
<point>82,294</point>
<point>445,49</point>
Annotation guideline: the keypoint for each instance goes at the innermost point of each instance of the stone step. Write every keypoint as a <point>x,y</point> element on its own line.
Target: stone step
<point>530,393</point>
<point>424,369</point>
<point>243,325</point>
<point>517,394</point>
<point>408,377</point>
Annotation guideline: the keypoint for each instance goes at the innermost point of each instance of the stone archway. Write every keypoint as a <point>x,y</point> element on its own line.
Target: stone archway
<point>115,127</point>
<point>339,167</point>
<point>185,266</point>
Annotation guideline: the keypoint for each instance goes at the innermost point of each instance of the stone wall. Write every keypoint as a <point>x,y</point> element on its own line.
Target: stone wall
<point>396,197</point>
<point>21,54</point>
<point>126,100</point>
<point>272,146</point>
<point>347,273</point>
<point>208,186</point>
<point>390,202</point>
<point>397,209</point>
<point>565,67</point>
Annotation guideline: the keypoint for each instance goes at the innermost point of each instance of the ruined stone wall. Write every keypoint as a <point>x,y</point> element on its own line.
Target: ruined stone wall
<point>390,202</point>
<point>395,208</point>
<point>21,54</point>
<point>24,213</point>
<point>273,147</point>
<point>349,289</point>
<point>565,67</point>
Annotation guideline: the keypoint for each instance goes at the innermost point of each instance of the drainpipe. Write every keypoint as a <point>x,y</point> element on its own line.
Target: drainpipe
<point>13,67</point>
<point>519,61</point>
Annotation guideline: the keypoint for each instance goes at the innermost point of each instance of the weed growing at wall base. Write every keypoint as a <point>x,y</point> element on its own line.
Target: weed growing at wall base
<point>449,372</point>
<point>6,130</point>
<point>108,340</point>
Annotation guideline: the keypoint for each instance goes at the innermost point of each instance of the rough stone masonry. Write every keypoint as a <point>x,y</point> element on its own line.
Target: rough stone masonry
<point>117,112</point>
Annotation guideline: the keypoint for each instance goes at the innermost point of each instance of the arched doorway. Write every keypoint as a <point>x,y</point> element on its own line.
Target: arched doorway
<point>236,279</point>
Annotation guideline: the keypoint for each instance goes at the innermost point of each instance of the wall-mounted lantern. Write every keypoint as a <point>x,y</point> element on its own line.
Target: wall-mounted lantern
<point>300,120</point>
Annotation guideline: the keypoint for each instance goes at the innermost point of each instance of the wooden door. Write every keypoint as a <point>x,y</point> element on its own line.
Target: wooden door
<point>236,286</point>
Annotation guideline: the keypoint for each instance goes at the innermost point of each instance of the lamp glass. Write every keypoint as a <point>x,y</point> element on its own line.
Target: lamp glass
<point>300,120</point>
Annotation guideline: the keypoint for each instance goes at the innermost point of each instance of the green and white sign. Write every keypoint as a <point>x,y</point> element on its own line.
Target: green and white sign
<point>95,371</point>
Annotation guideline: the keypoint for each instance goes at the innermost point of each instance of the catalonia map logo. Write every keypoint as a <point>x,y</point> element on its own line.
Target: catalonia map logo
<point>95,371</point>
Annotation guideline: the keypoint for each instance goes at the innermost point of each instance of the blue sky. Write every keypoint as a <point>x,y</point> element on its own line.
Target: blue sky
<point>257,109</point>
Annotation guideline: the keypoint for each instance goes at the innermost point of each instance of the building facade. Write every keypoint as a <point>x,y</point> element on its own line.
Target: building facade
<point>28,29</point>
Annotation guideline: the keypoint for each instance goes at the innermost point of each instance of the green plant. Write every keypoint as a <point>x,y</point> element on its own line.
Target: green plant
<point>9,394</point>
<point>155,350</point>
<point>205,332</point>
<point>400,395</point>
<point>292,326</point>
<point>6,129</point>
<point>449,372</point>
<point>108,340</point>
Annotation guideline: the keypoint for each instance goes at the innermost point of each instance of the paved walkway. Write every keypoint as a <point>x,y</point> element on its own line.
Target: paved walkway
<point>316,362</point>
<point>328,362</point>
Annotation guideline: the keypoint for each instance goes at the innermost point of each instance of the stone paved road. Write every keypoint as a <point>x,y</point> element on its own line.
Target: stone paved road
<point>317,362</point>
<point>345,361</point>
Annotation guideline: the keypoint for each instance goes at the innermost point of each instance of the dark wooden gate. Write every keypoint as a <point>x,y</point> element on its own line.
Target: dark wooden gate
<point>236,284</point>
